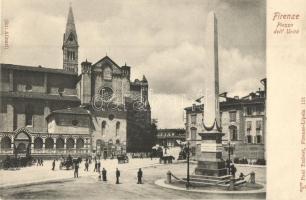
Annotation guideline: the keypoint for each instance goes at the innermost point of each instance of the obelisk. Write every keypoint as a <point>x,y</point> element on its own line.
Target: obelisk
<point>210,162</point>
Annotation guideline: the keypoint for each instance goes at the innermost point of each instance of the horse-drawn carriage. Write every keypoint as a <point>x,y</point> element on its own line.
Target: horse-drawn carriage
<point>69,162</point>
<point>122,159</point>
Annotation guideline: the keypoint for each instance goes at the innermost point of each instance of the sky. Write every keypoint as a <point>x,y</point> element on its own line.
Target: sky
<point>162,39</point>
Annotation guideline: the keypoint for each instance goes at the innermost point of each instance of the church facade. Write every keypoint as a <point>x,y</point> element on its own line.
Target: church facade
<point>95,111</point>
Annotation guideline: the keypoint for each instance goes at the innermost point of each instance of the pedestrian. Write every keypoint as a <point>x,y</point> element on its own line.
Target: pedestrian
<point>104,174</point>
<point>53,165</point>
<point>99,166</point>
<point>117,176</point>
<point>42,162</point>
<point>76,170</point>
<point>96,165</point>
<point>86,166</point>
<point>139,176</point>
<point>233,170</point>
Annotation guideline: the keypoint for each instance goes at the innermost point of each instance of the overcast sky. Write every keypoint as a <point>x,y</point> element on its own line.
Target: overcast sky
<point>163,39</point>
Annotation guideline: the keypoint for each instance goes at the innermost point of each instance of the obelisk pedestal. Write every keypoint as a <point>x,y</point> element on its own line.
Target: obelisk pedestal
<point>210,162</point>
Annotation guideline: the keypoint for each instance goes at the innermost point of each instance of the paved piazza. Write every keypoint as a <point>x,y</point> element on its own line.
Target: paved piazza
<point>38,182</point>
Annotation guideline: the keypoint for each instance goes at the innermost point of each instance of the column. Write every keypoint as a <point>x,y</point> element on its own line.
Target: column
<point>65,139</point>
<point>54,145</point>
<point>32,144</point>
<point>12,144</point>
<point>43,147</point>
<point>74,147</point>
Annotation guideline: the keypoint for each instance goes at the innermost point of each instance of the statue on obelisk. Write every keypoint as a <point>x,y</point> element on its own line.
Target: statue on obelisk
<point>210,162</point>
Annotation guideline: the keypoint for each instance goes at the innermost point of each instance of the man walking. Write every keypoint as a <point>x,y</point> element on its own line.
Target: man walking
<point>104,174</point>
<point>76,171</point>
<point>233,170</point>
<point>86,166</point>
<point>99,166</point>
<point>53,165</point>
<point>139,176</point>
<point>117,176</point>
<point>96,165</point>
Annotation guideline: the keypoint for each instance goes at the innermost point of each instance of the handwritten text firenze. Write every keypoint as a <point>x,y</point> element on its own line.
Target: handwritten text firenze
<point>286,23</point>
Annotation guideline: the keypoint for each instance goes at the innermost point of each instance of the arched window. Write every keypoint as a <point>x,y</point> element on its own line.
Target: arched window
<point>117,141</point>
<point>60,143</point>
<point>80,143</point>
<point>103,126</point>
<point>29,110</point>
<point>38,143</point>
<point>6,143</point>
<point>70,143</point>
<point>117,128</point>
<point>49,143</point>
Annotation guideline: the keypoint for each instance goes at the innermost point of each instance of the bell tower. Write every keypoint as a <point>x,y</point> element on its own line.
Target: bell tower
<point>70,45</point>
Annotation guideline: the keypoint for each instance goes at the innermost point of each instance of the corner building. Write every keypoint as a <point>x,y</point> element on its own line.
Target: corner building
<point>50,112</point>
<point>243,121</point>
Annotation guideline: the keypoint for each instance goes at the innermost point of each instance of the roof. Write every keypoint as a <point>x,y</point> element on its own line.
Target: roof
<point>106,58</point>
<point>36,69</point>
<point>38,95</point>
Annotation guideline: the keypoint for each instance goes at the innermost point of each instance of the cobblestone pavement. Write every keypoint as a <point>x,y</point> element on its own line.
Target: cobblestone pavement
<point>89,187</point>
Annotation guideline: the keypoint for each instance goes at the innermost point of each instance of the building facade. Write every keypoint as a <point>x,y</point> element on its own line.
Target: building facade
<point>51,112</point>
<point>170,137</point>
<point>243,122</point>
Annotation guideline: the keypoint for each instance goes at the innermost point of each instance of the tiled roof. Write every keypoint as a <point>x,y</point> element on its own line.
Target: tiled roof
<point>37,95</point>
<point>36,69</point>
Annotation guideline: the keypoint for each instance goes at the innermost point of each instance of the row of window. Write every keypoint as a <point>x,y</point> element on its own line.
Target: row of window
<point>258,126</point>
<point>168,134</point>
<point>49,143</point>
<point>71,55</point>
<point>233,119</point>
<point>233,134</point>
<point>103,126</point>
<point>254,139</point>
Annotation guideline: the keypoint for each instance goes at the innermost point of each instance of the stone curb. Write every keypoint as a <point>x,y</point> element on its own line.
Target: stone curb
<point>161,183</point>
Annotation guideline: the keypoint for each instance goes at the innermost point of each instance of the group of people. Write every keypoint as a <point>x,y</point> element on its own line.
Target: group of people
<point>139,176</point>
<point>97,168</point>
<point>40,162</point>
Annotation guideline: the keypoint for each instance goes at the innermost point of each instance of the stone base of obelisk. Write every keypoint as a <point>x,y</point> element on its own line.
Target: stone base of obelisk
<point>210,162</point>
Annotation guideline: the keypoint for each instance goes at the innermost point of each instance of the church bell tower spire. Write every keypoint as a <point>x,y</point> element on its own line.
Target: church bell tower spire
<point>70,45</point>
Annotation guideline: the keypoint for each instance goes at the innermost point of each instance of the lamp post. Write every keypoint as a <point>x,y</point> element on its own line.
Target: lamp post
<point>229,151</point>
